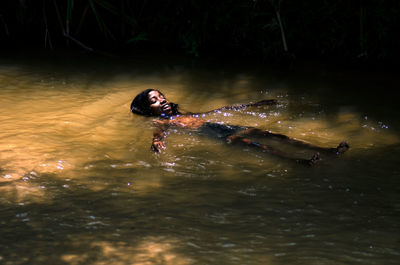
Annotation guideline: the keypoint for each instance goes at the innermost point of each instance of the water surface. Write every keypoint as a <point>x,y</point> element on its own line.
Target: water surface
<point>79,184</point>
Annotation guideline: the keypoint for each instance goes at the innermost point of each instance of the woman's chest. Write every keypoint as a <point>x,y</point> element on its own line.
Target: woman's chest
<point>186,122</point>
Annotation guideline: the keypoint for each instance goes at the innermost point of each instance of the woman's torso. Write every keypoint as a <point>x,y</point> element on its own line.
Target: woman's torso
<point>202,126</point>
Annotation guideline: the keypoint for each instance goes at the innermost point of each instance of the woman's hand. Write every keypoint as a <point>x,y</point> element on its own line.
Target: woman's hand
<point>157,145</point>
<point>159,135</point>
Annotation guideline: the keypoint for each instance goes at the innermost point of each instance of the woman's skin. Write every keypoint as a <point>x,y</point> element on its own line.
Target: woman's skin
<point>160,106</point>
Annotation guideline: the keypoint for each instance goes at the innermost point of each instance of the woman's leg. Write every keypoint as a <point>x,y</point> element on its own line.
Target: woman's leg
<point>265,148</point>
<point>341,148</point>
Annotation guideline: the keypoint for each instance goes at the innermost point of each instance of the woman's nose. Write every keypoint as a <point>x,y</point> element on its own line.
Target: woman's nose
<point>162,100</point>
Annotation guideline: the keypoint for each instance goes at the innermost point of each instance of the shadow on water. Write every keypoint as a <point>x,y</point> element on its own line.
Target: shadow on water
<point>203,202</point>
<point>323,218</point>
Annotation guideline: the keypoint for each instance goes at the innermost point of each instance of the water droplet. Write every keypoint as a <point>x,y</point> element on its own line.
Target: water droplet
<point>21,215</point>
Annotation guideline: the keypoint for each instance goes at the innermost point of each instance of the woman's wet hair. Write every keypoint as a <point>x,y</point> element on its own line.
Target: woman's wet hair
<point>141,104</point>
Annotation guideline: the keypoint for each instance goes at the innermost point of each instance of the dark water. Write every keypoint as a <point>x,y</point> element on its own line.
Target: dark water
<point>79,184</point>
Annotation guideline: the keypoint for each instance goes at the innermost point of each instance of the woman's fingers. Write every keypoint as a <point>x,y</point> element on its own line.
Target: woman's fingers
<point>157,146</point>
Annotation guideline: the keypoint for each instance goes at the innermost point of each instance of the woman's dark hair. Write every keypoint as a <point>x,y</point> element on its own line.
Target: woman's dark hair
<point>141,104</point>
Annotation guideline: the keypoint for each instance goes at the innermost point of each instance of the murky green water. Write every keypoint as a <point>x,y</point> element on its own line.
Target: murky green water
<point>79,185</point>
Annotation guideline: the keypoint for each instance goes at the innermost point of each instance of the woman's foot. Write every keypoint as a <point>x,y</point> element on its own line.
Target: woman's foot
<point>342,147</point>
<point>310,162</point>
<point>314,159</point>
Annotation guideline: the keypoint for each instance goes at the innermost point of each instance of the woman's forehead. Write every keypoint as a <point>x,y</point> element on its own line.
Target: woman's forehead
<point>155,93</point>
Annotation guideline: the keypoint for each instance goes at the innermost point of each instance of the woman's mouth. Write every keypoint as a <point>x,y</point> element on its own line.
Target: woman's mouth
<point>166,107</point>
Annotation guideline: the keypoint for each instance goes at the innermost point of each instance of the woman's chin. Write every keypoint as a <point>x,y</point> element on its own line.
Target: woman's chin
<point>167,111</point>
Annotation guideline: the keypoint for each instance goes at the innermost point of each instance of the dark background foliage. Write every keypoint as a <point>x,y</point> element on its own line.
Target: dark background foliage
<point>350,30</point>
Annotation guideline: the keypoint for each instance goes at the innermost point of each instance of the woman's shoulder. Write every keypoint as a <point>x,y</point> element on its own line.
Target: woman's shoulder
<point>185,120</point>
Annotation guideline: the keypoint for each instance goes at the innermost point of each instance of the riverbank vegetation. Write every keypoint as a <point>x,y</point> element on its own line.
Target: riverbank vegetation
<point>360,30</point>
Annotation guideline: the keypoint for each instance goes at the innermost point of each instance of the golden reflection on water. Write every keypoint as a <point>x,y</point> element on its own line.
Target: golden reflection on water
<point>150,250</point>
<point>62,123</point>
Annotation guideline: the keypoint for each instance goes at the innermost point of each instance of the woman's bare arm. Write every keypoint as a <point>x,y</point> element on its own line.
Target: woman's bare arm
<point>158,136</point>
<point>265,102</point>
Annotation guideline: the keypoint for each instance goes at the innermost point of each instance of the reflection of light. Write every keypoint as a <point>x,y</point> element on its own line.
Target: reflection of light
<point>60,165</point>
<point>151,250</point>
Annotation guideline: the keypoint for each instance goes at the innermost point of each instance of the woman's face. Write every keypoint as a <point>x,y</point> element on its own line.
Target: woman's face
<point>158,103</point>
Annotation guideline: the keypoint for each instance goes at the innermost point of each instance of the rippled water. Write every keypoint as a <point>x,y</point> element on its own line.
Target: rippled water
<point>79,184</point>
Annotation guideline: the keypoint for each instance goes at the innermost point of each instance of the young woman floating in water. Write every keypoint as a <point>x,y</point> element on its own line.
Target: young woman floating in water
<point>152,102</point>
